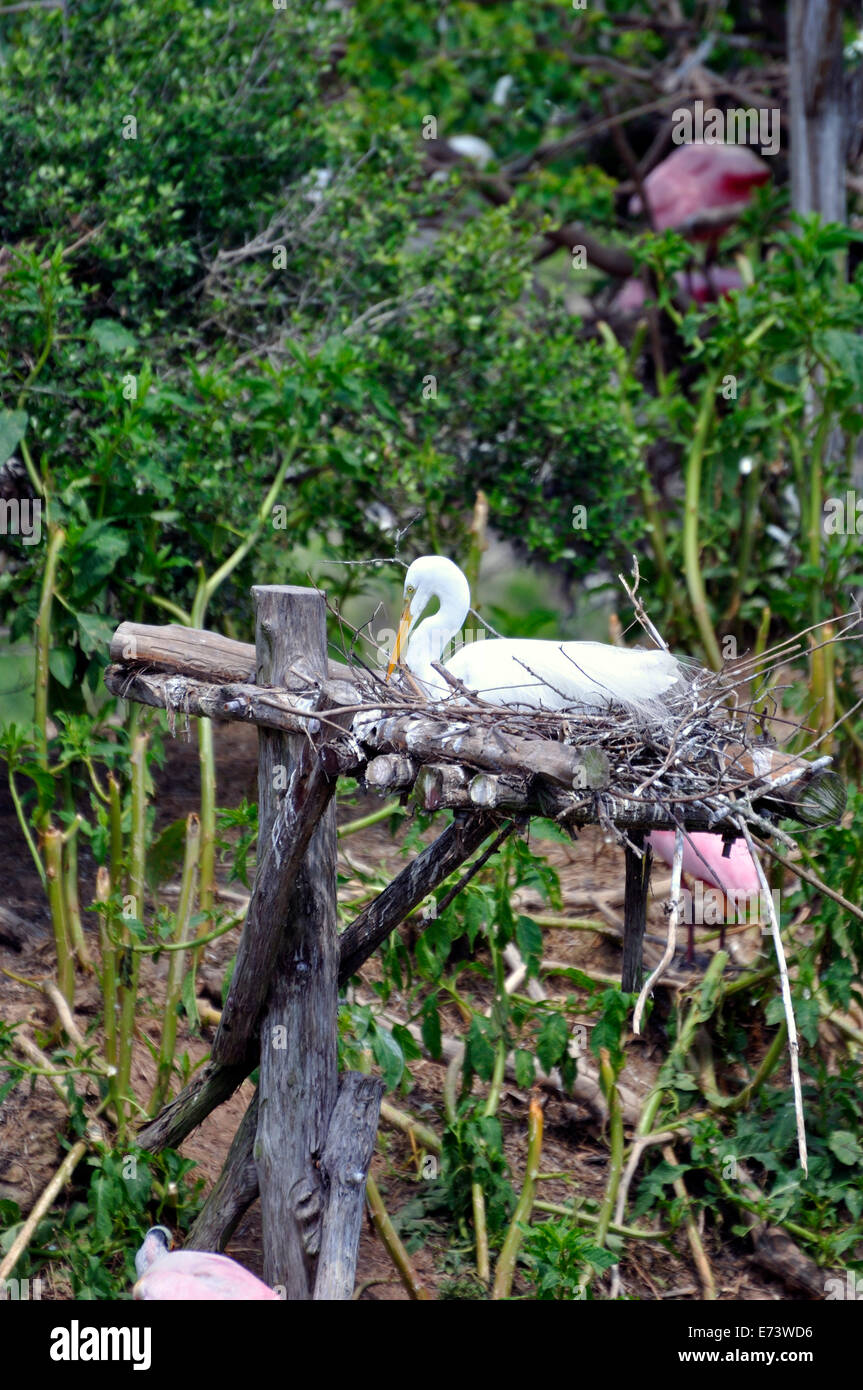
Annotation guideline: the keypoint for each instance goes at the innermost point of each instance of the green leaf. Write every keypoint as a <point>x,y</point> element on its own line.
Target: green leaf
<point>529,938</point>
<point>112,337</point>
<point>845,1146</point>
<point>388,1056</point>
<point>94,633</point>
<point>61,664</point>
<point>431,1029</point>
<point>552,1040</point>
<point>187,995</point>
<point>525,1069</point>
<point>13,426</point>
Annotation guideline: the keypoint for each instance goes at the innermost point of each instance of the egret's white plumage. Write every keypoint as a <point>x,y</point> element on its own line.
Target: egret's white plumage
<point>578,676</point>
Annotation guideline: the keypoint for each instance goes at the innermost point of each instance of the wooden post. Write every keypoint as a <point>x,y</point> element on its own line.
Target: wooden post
<point>299,1064</point>
<point>233,1192</point>
<point>345,1166</point>
<point>636,885</point>
<point>817,107</point>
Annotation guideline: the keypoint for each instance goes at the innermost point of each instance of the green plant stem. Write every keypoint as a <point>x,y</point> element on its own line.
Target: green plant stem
<point>580,1217</point>
<point>115,823</point>
<point>108,973</point>
<point>608,1082</point>
<point>56,541</point>
<point>393,1245</point>
<point>53,843</point>
<point>176,965</point>
<point>70,880</point>
<point>207,762</point>
<point>505,1268</point>
<point>421,1133</point>
<point>373,818</point>
<point>691,558</point>
<point>131,960</point>
<point>25,828</point>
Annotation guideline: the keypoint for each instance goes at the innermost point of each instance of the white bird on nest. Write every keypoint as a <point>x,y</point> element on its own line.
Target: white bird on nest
<point>584,677</point>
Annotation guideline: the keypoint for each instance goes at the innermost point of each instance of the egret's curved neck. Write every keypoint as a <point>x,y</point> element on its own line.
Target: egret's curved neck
<point>429,638</point>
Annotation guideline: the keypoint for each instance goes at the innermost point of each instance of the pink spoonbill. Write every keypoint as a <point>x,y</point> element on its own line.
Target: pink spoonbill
<point>704,857</point>
<point>190,1275</point>
<point>695,179</point>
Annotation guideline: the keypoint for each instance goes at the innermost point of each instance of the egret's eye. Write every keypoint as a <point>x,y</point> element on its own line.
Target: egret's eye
<point>410,591</point>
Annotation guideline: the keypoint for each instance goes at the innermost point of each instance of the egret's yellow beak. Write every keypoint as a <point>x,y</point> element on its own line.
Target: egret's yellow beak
<point>401,638</point>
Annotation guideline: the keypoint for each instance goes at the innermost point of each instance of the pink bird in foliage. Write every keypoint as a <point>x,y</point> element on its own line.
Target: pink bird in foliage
<point>190,1275</point>
<point>701,178</point>
<point>702,287</point>
<point>703,858</point>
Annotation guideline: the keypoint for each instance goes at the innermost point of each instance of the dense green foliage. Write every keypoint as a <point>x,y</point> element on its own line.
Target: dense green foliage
<point>254,320</point>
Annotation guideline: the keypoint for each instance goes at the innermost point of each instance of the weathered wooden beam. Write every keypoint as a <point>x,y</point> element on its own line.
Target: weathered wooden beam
<point>233,1192</point>
<point>637,885</point>
<point>299,1063</point>
<point>476,745</point>
<point>817,104</point>
<point>364,934</point>
<point>302,709</point>
<point>299,810</point>
<point>360,939</point>
<point>489,790</point>
<point>209,1088</point>
<point>193,651</point>
<point>344,1168</point>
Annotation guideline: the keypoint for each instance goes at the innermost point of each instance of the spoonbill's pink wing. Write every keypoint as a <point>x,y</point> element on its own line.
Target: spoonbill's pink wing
<point>202,1275</point>
<point>703,858</point>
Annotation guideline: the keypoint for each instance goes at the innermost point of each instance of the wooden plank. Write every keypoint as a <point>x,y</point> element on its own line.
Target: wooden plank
<point>299,1065</point>
<point>184,696</point>
<point>817,108</point>
<point>344,1169</point>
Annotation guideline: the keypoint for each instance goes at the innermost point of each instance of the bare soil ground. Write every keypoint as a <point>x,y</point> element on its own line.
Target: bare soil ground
<point>591,872</point>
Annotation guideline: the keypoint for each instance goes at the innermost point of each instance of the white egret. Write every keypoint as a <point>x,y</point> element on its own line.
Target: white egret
<point>528,673</point>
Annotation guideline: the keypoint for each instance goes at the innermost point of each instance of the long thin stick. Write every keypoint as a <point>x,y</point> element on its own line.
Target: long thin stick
<point>42,1205</point>
<point>793,1044</point>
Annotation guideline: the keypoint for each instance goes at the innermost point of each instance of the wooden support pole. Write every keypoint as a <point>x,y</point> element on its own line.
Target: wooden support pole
<point>233,1192</point>
<point>299,1064</point>
<point>344,1169</point>
<point>360,939</point>
<point>637,884</point>
<point>209,1088</point>
<point>298,813</point>
<point>365,933</point>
